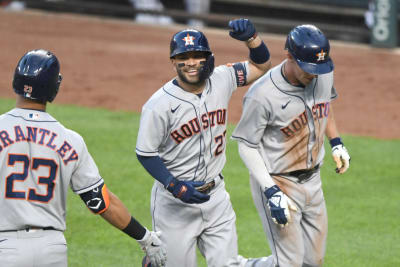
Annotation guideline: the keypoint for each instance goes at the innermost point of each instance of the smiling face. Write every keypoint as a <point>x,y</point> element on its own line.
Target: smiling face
<point>189,66</point>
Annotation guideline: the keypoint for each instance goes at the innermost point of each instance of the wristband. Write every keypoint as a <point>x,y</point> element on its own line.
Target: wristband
<point>252,37</point>
<point>135,229</point>
<point>335,141</point>
<point>260,54</point>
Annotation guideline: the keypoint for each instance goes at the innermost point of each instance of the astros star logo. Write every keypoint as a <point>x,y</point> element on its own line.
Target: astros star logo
<point>188,40</point>
<point>321,55</point>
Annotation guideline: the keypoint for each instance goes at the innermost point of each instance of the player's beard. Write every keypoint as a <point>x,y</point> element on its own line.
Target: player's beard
<point>197,81</point>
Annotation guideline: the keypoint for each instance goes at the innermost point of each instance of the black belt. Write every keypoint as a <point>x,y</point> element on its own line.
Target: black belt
<point>301,175</point>
<point>206,188</point>
<point>30,228</point>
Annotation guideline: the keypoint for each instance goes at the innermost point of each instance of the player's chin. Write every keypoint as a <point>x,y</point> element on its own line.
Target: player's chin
<point>192,79</point>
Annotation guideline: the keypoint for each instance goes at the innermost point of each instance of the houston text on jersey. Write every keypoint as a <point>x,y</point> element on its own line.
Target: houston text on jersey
<point>319,111</point>
<point>192,127</point>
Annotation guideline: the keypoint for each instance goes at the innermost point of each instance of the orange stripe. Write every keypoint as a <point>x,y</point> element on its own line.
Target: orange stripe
<point>106,198</point>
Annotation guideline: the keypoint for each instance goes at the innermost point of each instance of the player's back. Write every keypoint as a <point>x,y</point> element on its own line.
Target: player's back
<point>38,157</point>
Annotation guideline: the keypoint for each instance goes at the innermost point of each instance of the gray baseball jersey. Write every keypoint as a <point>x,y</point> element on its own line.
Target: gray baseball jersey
<point>188,133</point>
<point>286,124</point>
<point>40,159</point>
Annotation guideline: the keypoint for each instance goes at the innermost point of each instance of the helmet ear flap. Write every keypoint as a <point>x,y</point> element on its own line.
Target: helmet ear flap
<point>56,89</point>
<point>208,67</point>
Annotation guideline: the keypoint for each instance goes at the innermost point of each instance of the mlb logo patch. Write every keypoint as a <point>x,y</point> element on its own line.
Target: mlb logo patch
<point>33,116</point>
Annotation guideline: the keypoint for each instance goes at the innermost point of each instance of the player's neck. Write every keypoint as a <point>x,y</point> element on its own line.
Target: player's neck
<point>28,104</point>
<point>191,88</point>
<point>289,76</point>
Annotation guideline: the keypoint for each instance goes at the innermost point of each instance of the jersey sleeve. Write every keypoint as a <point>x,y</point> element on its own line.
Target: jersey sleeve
<point>151,133</point>
<point>86,175</point>
<point>252,124</point>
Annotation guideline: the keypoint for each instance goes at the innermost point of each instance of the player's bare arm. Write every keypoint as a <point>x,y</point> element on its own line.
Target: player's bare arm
<point>102,201</point>
<point>339,152</point>
<point>259,57</point>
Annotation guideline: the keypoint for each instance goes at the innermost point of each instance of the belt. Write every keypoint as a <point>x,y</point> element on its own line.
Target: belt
<point>301,175</point>
<point>28,229</point>
<point>206,188</point>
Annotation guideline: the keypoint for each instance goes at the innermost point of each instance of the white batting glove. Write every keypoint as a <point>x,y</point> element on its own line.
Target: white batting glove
<point>155,251</point>
<point>279,205</point>
<point>340,155</point>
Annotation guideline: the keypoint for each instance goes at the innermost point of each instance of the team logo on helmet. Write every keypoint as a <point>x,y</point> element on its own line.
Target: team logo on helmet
<point>188,40</point>
<point>28,90</point>
<point>321,55</point>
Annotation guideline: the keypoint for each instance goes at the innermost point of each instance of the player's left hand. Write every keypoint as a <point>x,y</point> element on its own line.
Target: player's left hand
<point>155,251</point>
<point>242,29</point>
<point>279,205</point>
<point>341,158</point>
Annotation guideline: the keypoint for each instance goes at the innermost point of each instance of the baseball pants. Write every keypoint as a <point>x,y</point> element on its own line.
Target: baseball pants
<point>302,242</point>
<point>33,248</point>
<point>210,226</point>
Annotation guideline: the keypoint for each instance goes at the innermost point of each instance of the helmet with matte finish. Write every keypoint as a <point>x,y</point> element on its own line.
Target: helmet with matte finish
<point>310,48</point>
<point>37,76</point>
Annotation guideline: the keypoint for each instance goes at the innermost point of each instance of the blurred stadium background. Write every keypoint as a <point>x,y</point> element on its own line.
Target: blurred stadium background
<point>339,19</point>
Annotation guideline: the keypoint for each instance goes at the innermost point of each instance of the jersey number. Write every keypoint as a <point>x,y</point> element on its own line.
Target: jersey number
<point>220,141</point>
<point>37,163</point>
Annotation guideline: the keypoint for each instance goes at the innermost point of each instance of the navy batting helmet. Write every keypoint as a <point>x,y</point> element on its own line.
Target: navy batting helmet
<point>192,40</point>
<point>310,48</point>
<point>188,40</point>
<point>37,76</point>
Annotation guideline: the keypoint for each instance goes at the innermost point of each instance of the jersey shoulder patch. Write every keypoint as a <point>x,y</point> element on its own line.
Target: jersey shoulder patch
<point>240,73</point>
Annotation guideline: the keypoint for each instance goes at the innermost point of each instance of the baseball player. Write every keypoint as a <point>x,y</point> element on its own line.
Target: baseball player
<point>181,143</point>
<point>40,159</point>
<point>286,115</point>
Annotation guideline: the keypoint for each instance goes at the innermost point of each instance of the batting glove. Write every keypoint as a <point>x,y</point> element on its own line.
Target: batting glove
<point>340,155</point>
<point>279,205</point>
<point>242,29</point>
<point>155,251</point>
<point>186,191</point>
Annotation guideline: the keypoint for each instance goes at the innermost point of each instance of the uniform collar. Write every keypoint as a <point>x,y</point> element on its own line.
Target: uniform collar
<point>283,84</point>
<point>31,114</point>
<point>175,90</point>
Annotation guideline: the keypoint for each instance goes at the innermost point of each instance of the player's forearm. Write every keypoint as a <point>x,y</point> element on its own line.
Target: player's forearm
<point>255,163</point>
<point>331,129</point>
<point>116,214</point>
<point>156,167</point>
<point>259,59</point>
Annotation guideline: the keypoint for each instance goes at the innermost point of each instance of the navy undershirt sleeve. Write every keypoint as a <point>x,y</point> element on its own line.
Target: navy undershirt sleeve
<point>156,167</point>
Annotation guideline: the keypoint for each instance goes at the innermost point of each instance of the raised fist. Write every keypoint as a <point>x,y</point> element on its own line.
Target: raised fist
<point>242,29</point>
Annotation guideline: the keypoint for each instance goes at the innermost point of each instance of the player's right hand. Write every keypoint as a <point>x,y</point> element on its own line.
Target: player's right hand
<point>279,205</point>
<point>186,191</point>
<point>241,29</point>
<point>341,158</point>
<point>154,248</point>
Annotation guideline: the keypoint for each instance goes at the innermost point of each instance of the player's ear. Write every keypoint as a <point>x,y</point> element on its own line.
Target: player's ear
<point>173,62</point>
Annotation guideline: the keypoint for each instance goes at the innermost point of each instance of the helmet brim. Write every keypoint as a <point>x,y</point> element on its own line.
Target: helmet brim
<point>316,69</point>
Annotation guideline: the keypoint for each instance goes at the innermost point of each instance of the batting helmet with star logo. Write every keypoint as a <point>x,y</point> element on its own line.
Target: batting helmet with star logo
<point>310,48</point>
